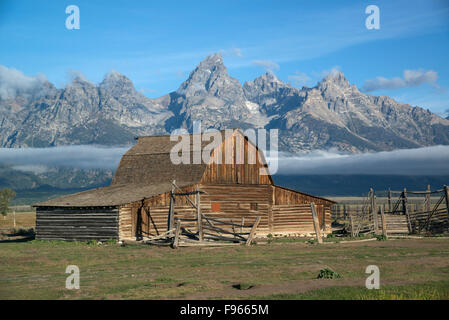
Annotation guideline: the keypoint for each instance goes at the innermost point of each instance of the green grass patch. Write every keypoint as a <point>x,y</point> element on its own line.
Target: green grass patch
<point>425,291</point>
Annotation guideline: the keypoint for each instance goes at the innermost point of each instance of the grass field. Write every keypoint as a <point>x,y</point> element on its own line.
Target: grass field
<point>416,269</point>
<point>281,269</point>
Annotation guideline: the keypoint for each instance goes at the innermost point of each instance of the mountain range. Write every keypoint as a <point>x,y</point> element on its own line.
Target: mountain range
<point>333,114</point>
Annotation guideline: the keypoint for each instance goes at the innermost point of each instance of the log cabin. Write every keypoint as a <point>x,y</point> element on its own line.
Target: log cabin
<point>137,202</point>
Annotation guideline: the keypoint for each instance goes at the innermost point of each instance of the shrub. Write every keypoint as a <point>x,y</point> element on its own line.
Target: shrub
<point>327,273</point>
<point>111,241</point>
<point>243,286</point>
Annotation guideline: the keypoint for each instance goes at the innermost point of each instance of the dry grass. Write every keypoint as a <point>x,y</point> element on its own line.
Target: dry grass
<point>23,220</point>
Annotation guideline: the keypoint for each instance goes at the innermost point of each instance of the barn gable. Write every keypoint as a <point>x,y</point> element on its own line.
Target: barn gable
<point>234,160</point>
<point>237,161</point>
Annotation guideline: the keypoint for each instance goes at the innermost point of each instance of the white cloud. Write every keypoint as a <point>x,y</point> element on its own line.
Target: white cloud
<point>232,52</point>
<point>13,82</point>
<point>318,76</point>
<point>83,157</point>
<point>299,79</point>
<point>37,169</point>
<point>411,78</point>
<point>268,65</point>
<point>421,161</point>
<point>75,74</point>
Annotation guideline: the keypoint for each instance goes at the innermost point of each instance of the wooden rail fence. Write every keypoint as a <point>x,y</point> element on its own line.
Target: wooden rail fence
<point>410,212</point>
<point>200,229</point>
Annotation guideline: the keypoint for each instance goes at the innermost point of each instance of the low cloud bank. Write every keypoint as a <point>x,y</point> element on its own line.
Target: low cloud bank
<point>423,161</point>
<point>83,157</point>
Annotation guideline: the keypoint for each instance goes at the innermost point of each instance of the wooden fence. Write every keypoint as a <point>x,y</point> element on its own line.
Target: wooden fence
<point>403,211</point>
<point>195,228</point>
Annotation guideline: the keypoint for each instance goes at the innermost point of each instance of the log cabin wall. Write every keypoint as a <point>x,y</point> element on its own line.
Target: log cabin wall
<point>80,224</point>
<point>239,201</point>
<point>296,219</point>
<point>291,211</point>
<point>292,219</point>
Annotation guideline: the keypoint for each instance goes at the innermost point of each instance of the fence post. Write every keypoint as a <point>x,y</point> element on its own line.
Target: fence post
<point>446,192</point>
<point>177,232</point>
<point>172,204</point>
<point>253,231</point>
<point>316,223</point>
<point>428,198</point>
<point>198,214</point>
<point>404,209</point>
<point>384,222</point>
<point>352,225</point>
<point>373,211</point>
<point>389,200</point>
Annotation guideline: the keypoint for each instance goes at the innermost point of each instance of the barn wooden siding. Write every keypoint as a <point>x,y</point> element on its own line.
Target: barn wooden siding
<point>235,202</point>
<point>240,163</point>
<point>297,219</point>
<point>292,216</point>
<point>81,224</point>
<point>292,212</point>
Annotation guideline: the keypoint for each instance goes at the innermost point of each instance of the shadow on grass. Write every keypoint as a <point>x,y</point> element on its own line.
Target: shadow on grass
<point>18,235</point>
<point>25,239</point>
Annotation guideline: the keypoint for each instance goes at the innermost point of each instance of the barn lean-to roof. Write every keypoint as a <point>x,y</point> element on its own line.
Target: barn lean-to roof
<point>113,195</point>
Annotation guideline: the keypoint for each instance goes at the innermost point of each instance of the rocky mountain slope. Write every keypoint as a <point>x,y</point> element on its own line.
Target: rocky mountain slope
<point>333,114</point>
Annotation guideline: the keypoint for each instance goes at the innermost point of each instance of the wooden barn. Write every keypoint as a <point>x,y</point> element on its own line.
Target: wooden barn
<point>148,191</point>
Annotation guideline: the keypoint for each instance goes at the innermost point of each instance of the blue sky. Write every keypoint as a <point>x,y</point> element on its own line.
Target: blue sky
<point>157,43</point>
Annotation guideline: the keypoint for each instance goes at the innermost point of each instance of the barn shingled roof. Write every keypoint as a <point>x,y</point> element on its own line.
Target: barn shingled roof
<point>112,195</point>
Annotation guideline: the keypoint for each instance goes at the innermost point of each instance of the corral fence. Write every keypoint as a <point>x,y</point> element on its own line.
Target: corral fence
<point>199,229</point>
<point>397,212</point>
